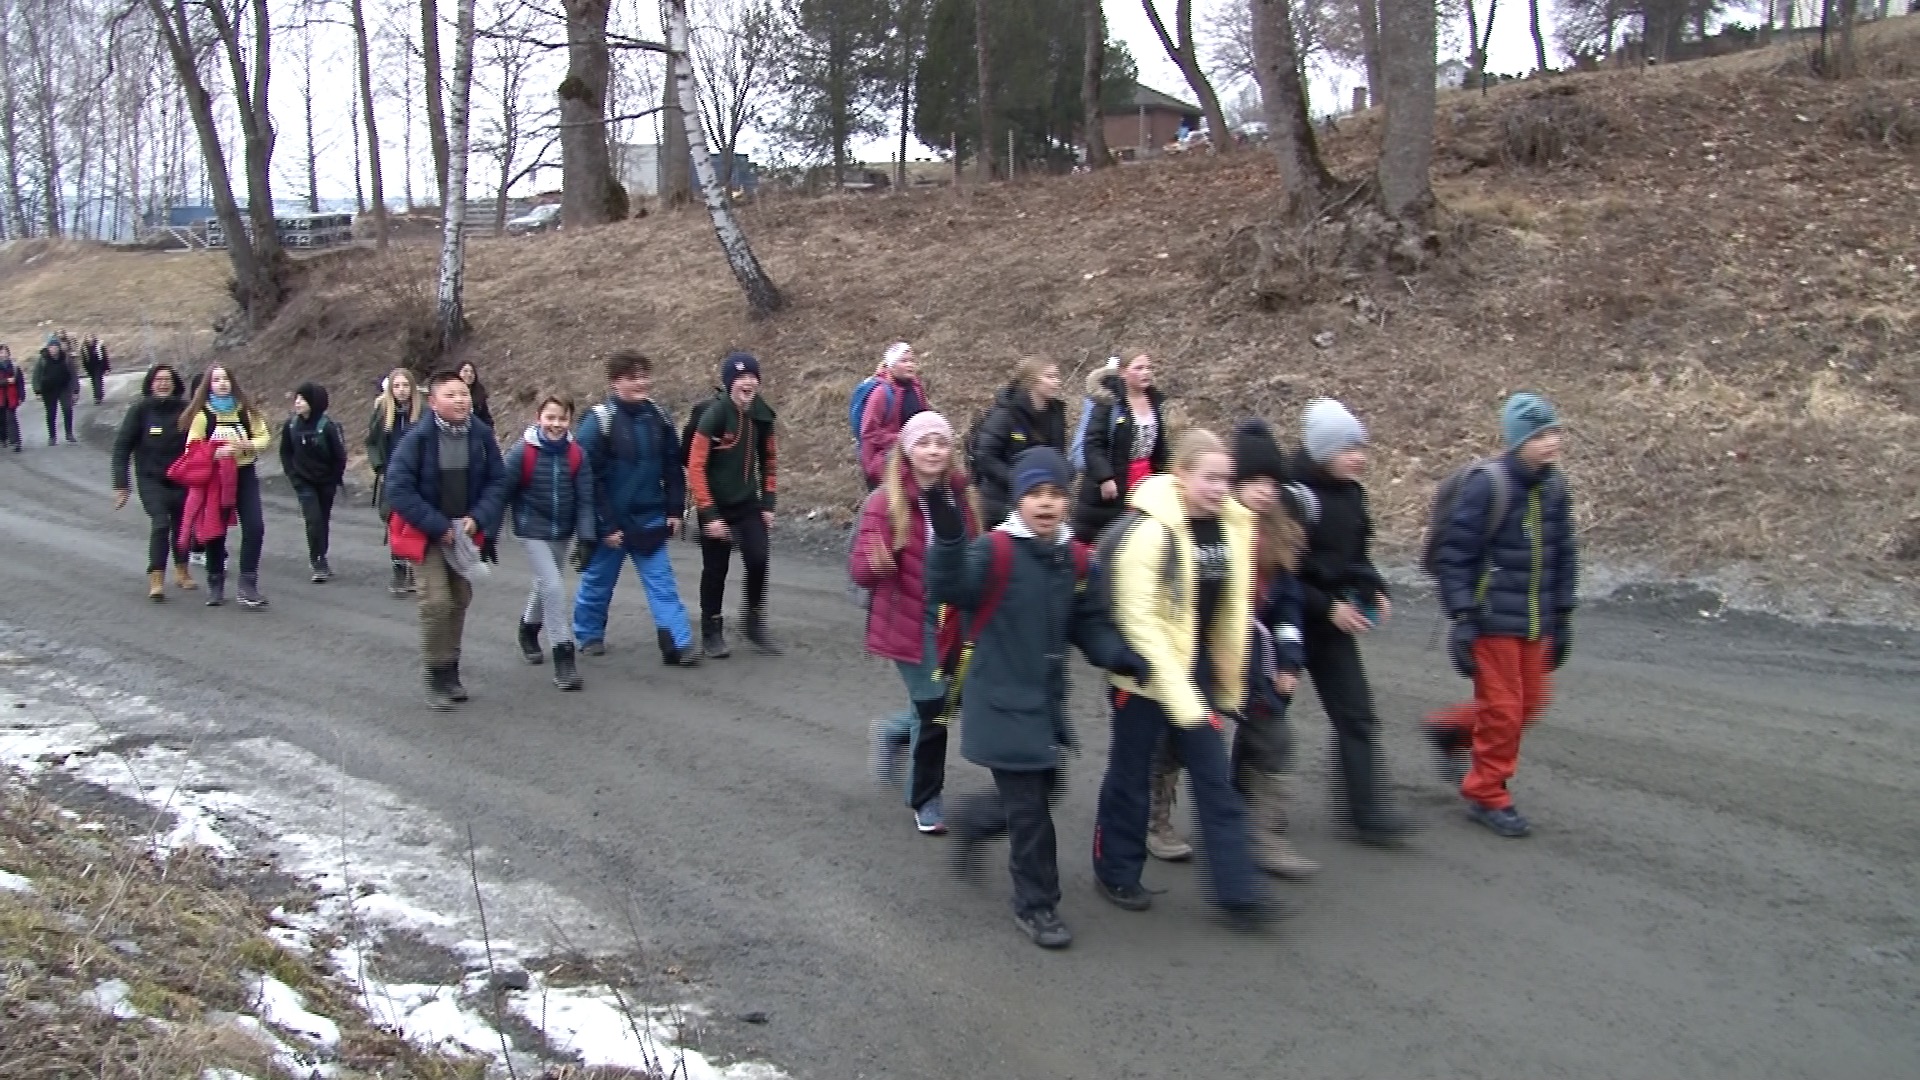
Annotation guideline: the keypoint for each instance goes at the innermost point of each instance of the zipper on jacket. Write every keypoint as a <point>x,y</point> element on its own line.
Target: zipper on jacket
<point>1531,524</point>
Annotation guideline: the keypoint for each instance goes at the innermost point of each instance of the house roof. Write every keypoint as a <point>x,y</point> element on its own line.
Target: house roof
<point>1146,97</point>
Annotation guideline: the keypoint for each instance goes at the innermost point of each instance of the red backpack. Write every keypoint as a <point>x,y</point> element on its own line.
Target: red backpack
<point>956,643</point>
<point>574,458</point>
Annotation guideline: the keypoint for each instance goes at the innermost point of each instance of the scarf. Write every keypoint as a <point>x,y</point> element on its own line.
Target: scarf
<point>450,429</point>
<point>221,403</point>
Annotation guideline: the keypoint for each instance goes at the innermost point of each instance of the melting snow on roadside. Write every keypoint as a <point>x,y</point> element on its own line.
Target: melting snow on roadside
<point>379,864</point>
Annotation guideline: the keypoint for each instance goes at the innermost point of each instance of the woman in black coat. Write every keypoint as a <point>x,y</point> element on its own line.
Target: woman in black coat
<point>1125,442</point>
<point>1026,413</point>
<point>471,376</point>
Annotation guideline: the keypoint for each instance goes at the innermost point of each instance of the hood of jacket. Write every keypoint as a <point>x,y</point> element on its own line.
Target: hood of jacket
<point>316,396</point>
<point>534,439</point>
<point>179,384</point>
<point>1103,385</point>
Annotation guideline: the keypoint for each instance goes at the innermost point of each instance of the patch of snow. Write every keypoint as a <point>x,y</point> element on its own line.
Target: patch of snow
<point>593,1023</point>
<point>281,1006</point>
<point>11,882</point>
<point>286,1059</point>
<point>110,997</point>
<point>211,1073</point>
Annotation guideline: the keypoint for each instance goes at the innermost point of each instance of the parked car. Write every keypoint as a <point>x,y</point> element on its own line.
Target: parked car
<point>538,219</point>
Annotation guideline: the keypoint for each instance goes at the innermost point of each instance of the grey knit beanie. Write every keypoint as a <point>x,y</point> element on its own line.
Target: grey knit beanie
<point>1327,428</point>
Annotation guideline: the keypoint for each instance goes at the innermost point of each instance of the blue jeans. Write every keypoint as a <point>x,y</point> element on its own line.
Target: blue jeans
<point>926,739</point>
<point>1120,832</point>
<point>656,576</point>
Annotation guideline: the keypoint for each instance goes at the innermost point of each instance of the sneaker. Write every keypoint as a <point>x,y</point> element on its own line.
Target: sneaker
<point>196,558</point>
<point>1505,821</point>
<point>1124,897</point>
<point>1452,750</point>
<point>886,753</point>
<point>930,818</point>
<point>249,592</point>
<point>593,648</point>
<point>322,573</point>
<point>530,643</point>
<point>1045,928</point>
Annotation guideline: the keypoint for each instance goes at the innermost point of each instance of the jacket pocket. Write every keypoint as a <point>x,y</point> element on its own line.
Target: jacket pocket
<point>1017,700</point>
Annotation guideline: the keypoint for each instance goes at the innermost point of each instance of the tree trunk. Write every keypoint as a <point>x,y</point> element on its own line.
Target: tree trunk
<point>1182,52</point>
<point>306,102</point>
<point>1539,38</point>
<point>1369,13</point>
<point>763,297</point>
<point>453,231</point>
<point>1092,70</point>
<point>16,220</point>
<point>982,40</point>
<point>1479,40</point>
<point>1304,180</point>
<point>364,64</point>
<point>676,161</point>
<point>435,92</point>
<point>586,167</point>
<point>1406,145</point>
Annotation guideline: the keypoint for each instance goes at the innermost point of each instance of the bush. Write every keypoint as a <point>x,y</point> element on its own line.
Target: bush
<point>1546,130</point>
<point>1881,119</point>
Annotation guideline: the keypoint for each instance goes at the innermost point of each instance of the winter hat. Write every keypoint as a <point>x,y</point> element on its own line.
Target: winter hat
<point>1256,453</point>
<point>316,396</point>
<point>1524,416</point>
<point>1327,428</point>
<point>1039,465</point>
<point>737,364</point>
<point>921,425</point>
<point>895,351</point>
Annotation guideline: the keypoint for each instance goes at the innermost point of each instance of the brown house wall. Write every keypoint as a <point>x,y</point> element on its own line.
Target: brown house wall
<point>1123,130</point>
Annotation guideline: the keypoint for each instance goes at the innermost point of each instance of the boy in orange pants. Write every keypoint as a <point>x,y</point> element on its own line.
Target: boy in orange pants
<point>1508,569</point>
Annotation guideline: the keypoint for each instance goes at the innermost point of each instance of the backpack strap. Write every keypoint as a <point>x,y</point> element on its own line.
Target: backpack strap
<point>575,456</point>
<point>999,575</point>
<point>1497,500</point>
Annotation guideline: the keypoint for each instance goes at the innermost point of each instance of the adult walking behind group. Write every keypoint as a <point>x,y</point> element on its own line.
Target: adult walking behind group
<point>54,383</point>
<point>149,441</point>
<point>13,388</point>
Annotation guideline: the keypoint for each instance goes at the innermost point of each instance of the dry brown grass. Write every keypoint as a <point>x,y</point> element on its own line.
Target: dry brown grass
<point>165,301</point>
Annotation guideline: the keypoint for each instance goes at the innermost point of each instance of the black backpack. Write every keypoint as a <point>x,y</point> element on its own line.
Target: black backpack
<point>692,426</point>
<point>1446,496</point>
<point>1108,546</point>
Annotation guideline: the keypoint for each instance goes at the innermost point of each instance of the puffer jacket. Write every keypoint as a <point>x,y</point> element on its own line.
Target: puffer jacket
<point>1108,450</point>
<point>313,449</point>
<point>1011,426</point>
<point>413,479</point>
<point>558,503</point>
<point>1013,702</point>
<point>642,487</point>
<point>890,404</point>
<point>733,458</point>
<point>896,619</point>
<point>1524,579</point>
<point>1160,617</point>
<point>1338,564</point>
<point>150,440</point>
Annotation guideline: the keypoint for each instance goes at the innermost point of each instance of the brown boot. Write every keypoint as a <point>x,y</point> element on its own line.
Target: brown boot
<point>182,579</point>
<point>1162,841</point>
<point>1267,828</point>
<point>156,585</point>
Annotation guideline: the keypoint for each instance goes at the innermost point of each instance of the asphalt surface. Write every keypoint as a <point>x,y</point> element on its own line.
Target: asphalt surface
<point>1722,881</point>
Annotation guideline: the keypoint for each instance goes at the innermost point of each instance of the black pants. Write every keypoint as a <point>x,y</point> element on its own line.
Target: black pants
<point>253,529</point>
<point>1263,740</point>
<point>747,530</point>
<point>99,386</point>
<point>59,406</point>
<point>1339,677</point>
<point>928,747</point>
<point>164,504</point>
<point>316,506</point>
<point>1019,808</point>
<point>10,427</point>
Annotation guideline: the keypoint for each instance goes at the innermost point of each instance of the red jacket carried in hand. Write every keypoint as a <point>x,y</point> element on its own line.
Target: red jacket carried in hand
<point>212,493</point>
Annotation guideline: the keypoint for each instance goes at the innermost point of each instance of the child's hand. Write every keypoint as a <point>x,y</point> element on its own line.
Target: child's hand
<point>1285,683</point>
<point>1348,618</point>
<point>880,559</point>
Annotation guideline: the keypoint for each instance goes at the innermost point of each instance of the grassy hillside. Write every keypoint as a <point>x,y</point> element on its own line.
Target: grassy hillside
<point>1717,282</point>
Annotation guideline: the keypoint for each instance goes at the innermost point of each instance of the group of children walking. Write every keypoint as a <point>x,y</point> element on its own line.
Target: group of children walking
<point>1219,577</point>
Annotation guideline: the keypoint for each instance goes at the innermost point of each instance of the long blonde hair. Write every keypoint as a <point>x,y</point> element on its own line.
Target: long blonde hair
<point>1194,445</point>
<point>900,508</point>
<point>388,409</point>
<point>1282,541</point>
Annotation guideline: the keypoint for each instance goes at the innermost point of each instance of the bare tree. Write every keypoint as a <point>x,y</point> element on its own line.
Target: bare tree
<point>983,47</point>
<point>734,57</point>
<point>37,23</point>
<point>306,109</point>
<point>453,232</point>
<point>434,92</point>
<point>15,216</point>
<point>508,125</point>
<point>1092,66</point>
<point>910,40</point>
<point>1304,180</point>
<point>1181,50</point>
<point>676,156</point>
<point>586,165</point>
<point>363,70</point>
<point>1479,40</point>
<point>1539,38</point>
<point>1367,13</point>
<point>1406,146</point>
<point>763,297</point>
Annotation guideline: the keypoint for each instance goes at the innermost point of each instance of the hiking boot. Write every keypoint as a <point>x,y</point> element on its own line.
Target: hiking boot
<point>413,577</point>
<point>216,589</point>
<point>1267,828</point>
<point>673,655</point>
<point>183,579</point>
<point>931,818</point>
<point>1505,821</point>
<point>1385,828</point>
<point>1163,842</point>
<point>713,637</point>
<point>438,698</point>
<point>450,676</point>
<point>756,631</point>
<point>250,592</point>
<point>397,586</point>
<point>594,648</point>
<point>1452,750</point>
<point>322,573</point>
<point>1253,918</point>
<point>1045,928</point>
<point>965,860</point>
<point>156,585</point>
<point>1124,897</point>
<point>565,675</point>
<point>886,753</point>
<point>530,644</point>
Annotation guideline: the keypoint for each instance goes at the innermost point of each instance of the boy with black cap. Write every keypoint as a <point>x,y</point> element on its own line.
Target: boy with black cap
<point>730,467</point>
<point>313,454</point>
<point>1508,570</point>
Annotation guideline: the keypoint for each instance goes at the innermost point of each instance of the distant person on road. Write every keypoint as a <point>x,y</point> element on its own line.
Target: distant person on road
<point>313,454</point>
<point>399,406</point>
<point>1026,413</point>
<point>94,359</point>
<point>1182,576</point>
<point>1344,598</point>
<point>1508,586</point>
<point>148,443</point>
<point>1023,590</point>
<point>903,623</point>
<point>894,400</point>
<point>446,478</point>
<point>640,492</point>
<point>54,380</point>
<point>13,390</point>
<point>1125,442</point>
<point>478,390</point>
<point>731,459</point>
<point>219,412</point>
<point>550,491</point>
